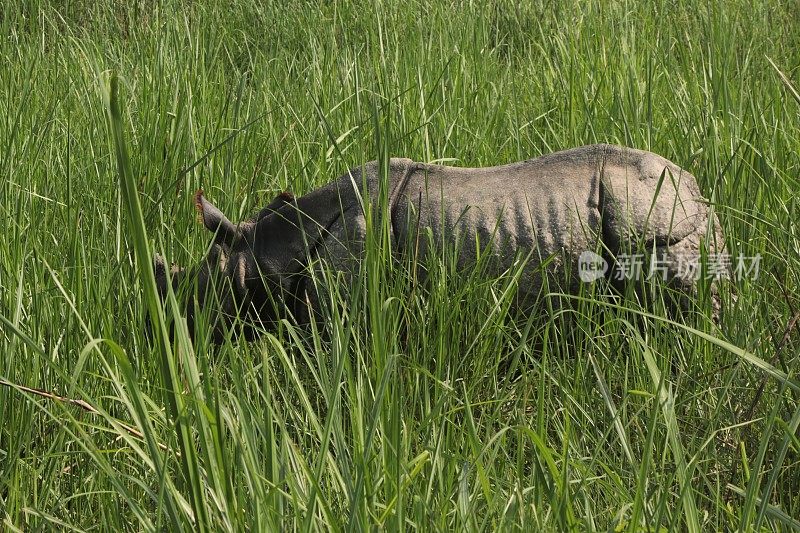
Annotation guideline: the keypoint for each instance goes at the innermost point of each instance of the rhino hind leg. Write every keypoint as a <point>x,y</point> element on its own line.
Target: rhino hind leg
<point>685,270</point>
<point>678,264</point>
<point>656,223</point>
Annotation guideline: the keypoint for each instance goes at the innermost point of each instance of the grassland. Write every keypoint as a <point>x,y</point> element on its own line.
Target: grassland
<point>414,408</point>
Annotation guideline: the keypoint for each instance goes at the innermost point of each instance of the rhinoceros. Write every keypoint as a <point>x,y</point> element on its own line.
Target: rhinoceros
<point>552,210</point>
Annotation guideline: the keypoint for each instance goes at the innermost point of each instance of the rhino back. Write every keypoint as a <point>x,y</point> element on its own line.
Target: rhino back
<point>547,208</point>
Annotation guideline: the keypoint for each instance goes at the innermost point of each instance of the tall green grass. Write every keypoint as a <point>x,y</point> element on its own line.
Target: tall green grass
<point>419,405</point>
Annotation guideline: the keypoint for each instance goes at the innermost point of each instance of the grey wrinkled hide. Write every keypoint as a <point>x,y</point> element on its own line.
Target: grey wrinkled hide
<point>601,198</point>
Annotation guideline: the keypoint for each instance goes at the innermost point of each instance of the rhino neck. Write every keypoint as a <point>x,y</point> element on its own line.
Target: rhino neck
<point>284,241</point>
<point>297,227</point>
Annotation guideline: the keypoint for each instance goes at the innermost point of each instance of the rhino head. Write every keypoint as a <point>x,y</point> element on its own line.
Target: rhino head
<point>251,270</point>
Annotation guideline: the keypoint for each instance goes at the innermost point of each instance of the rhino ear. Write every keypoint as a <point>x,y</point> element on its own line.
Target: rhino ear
<point>160,271</point>
<point>279,201</point>
<point>166,278</point>
<point>214,220</point>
